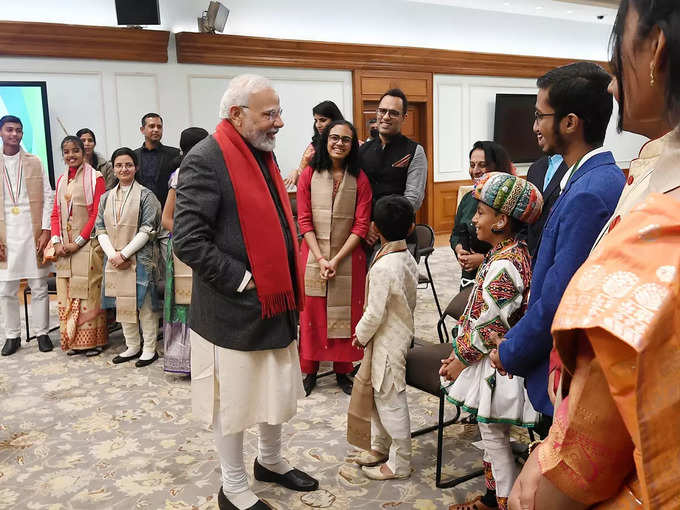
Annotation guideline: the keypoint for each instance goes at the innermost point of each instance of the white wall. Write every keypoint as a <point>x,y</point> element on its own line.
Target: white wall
<point>464,113</point>
<point>111,97</point>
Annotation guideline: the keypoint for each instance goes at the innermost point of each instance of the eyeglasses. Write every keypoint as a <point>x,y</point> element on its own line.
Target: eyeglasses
<point>269,114</point>
<point>539,116</point>
<point>346,140</point>
<point>383,112</point>
<point>128,166</point>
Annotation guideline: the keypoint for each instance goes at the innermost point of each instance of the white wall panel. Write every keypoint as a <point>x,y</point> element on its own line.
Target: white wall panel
<point>136,95</point>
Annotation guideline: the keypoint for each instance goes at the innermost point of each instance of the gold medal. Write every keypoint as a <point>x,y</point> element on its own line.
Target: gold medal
<point>68,227</point>
<point>14,210</point>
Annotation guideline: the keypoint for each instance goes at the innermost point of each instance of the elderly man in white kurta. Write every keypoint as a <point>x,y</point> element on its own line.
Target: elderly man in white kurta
<point>234,227</point>
<point>25,207</point>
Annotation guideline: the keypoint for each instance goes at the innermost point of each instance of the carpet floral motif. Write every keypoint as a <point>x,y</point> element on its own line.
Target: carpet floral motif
<point>82,433</point>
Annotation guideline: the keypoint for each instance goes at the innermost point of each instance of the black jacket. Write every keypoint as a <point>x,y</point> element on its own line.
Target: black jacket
<point>207,236</point>
<point>536,176</point>
<point>168,159</point>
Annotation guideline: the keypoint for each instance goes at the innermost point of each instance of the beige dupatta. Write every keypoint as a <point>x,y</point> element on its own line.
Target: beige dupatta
<point>122,226</point>
<point>333,220</point>
<point>77,196</point>
<point>33,178</point>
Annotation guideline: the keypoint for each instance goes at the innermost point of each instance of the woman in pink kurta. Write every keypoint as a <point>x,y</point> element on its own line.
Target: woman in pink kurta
<point>333,184</point>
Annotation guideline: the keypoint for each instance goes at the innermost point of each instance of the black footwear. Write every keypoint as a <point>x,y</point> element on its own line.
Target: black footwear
<point>73,352</point>
<point>122,359</point>
<point>96,351</point>
<point>308,383</point>
<point>145,362</point>
<point>294,479</point>
<point>224,504</point>
<point>345,383</point>
<point>11,346</point>
<point>44,343</point>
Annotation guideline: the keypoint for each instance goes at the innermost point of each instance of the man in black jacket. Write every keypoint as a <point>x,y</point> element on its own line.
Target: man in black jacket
<point>155,161</point>
<point>546,174</point>
<point>233,226</point>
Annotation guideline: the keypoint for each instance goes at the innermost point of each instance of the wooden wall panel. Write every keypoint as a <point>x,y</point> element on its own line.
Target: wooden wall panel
<point>238,50</point>
<point>24,39</point>
<point>445,199</point>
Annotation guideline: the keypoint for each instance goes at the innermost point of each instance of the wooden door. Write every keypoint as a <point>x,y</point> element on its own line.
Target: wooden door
<point>369,86</point>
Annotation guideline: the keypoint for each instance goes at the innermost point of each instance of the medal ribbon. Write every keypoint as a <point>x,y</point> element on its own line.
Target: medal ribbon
<point>20,173</point>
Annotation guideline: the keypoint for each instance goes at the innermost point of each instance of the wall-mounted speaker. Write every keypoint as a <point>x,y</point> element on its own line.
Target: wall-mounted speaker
<point>138,12</point>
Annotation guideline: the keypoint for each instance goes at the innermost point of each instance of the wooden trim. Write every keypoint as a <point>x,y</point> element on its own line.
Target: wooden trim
<point>27,39</point>
<point>445,203</point>
<point>197,48</point>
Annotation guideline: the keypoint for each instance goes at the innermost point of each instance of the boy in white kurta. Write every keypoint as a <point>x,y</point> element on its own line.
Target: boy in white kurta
<point>388,322</point>
<point>25,207</point>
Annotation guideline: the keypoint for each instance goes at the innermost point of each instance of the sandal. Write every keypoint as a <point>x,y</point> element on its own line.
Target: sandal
<point>475,504</point>
<point>74,352</point>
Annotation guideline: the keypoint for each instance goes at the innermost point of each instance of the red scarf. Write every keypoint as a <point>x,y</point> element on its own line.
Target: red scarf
<point>260,225</point>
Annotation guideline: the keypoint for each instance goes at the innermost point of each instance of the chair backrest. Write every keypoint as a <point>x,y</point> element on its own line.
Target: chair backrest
<point>462,191</point>
<point>424,237</point>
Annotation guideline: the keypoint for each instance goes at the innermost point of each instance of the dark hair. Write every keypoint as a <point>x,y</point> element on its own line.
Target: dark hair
<point>494,153</point>
<point>666,15</point>
<point>580,88</point>
<point>326,109</point>
<point>190,137</point>
<point>10,118</point>
<point>322,160</point>
<point>124,151</point>
<point>397,93</point>
<point>393,215</point>
<point>149,116</point>
<point>88,131</point>
<point>72,139</point>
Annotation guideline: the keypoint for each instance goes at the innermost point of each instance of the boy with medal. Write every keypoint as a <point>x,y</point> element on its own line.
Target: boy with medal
<point>25,208</point>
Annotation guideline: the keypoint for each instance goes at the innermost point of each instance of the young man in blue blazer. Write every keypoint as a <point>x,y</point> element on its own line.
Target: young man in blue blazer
<point>573,109</point>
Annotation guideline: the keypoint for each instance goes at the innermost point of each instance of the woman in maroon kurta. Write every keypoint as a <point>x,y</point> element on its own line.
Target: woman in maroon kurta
<point>351,192</point>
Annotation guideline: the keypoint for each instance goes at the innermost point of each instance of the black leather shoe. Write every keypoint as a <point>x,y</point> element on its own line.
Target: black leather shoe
<point>294,479</point>
<point>145,362</point>
<point>345,383</point>
<point>44,343</point>
<point>122,359</point>
<point>11,346</point>
<point>308,383</point>
<point>224,504</point>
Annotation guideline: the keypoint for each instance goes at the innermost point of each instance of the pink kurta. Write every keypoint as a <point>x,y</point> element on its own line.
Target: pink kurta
<point>314,343</point>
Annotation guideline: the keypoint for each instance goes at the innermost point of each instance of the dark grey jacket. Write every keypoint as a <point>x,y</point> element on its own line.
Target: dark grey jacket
<point>207,236</point>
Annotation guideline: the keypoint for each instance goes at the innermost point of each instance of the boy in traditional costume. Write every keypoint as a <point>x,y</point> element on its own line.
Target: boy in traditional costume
<point>498,300</point>
<point>386,327</point>
<point>25,209</point>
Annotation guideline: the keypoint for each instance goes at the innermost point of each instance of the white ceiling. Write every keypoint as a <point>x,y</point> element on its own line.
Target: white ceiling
<point>560,9</point>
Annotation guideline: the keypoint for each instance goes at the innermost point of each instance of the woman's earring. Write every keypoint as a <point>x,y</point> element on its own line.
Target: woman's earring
<point>651,75</point>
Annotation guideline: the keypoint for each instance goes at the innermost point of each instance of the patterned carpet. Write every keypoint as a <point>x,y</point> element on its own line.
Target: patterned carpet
<point>82,433</point>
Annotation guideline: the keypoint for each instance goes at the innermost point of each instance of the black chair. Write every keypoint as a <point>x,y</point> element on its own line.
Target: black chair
<point>423,361</point>
<point>424,248</point>
<point>51,289</point>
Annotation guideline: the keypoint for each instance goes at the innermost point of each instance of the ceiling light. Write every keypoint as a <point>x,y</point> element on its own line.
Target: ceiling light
<point>214,19</point>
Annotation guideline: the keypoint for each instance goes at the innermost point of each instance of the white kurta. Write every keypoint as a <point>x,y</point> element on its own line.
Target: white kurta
<point>21,249</point>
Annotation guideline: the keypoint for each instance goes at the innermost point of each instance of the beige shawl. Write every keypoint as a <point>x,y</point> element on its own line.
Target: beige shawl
<point>333,220</point>
<point>122,226</point>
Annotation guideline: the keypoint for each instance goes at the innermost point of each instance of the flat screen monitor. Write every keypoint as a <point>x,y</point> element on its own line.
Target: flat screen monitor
<point>513,126</point>
<point>28,101</point>
<point>138,12</point>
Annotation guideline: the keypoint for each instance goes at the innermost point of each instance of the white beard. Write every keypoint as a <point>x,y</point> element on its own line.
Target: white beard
<point>260,140</point>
